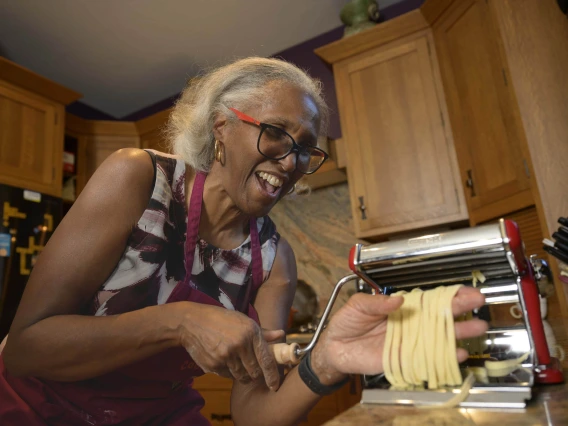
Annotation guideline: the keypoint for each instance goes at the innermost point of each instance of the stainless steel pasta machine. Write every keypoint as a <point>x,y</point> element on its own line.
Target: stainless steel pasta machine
<point>495,255</point>
<point>490,257</point>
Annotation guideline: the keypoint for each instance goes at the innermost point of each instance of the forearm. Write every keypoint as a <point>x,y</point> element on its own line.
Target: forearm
<point>256,405</point>
<point>74,347</point>
<point>293,400</point>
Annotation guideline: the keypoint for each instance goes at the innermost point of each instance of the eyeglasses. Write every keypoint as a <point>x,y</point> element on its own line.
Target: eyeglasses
<point>275,144</point>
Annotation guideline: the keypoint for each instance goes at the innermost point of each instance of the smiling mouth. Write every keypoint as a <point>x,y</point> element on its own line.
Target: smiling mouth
<point>269,182</point>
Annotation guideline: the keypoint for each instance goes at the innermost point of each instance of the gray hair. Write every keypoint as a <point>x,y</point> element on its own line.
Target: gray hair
<point>239,84</point>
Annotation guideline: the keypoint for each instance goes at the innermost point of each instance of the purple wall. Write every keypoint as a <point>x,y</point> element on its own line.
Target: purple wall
<point>302,55</point>
<point>88,112</point>
<point>151,109</point>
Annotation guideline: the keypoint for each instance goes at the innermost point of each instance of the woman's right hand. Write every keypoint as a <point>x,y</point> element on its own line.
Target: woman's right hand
<point>228,343</point>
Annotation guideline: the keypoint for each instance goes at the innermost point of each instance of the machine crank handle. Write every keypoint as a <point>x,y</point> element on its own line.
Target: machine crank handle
<point>293,353</point>
<point>286,354</point>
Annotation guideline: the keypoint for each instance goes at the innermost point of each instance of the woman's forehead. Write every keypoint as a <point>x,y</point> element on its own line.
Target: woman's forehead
<point>290,106</point>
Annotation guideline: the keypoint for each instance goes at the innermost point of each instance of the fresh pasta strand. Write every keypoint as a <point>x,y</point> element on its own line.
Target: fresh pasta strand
<point>431,324</point>
<point>408,343</point>
<point>420,347</point>
<point>420,342</point>
<point>415,299</point>
<point>420,352</point>
<point>455,377</point>
<point>395,352</point>
<point>458,398</point>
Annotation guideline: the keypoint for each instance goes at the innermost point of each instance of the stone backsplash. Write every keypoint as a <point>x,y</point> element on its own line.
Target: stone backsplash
<point>319,227</point>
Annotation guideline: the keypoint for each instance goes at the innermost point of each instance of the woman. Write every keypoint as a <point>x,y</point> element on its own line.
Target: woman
<point>111,329</point>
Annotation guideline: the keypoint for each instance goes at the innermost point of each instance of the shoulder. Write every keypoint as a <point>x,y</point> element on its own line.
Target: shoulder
<point>284,251</point>
<point>124,178</point>
<point>284,267</point>
<point>127,164</point>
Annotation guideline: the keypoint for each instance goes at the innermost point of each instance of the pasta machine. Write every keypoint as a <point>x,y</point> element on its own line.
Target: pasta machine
<point>492,258</point>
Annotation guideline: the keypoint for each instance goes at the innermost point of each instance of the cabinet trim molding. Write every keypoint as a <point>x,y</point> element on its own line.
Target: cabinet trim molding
<point>100,127</point>
<point>373,37</point>
<point>29,80</point>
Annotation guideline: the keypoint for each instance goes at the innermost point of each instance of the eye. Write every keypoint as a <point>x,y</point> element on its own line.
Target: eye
<point>274,134</point>
<point>307,143</point>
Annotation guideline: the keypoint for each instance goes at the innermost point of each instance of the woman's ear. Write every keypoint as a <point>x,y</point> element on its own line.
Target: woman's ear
<point>220,127</point>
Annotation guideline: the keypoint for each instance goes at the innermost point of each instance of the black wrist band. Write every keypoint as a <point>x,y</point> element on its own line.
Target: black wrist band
<point>311,380</point>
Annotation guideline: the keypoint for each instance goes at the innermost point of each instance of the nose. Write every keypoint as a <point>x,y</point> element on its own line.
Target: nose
<point>288,163</point>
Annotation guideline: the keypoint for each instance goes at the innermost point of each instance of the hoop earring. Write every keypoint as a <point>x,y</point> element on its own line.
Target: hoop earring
<point>217,151</point>
<point>292,190</point>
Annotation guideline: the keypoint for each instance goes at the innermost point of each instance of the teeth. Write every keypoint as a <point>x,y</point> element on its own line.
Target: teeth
<point>272,180</point>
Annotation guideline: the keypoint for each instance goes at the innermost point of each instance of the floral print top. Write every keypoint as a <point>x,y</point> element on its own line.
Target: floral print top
<point>153,262</point>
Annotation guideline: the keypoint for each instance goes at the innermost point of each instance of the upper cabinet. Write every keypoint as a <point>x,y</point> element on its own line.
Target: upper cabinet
<point>488,133</point>
<point>31,129</point>
<point>401,163</point>
<point>96,141</point>
<point>151,130</point>
<point>498,67</point>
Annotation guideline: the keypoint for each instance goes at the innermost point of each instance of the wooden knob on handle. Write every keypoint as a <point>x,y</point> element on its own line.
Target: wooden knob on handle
<point>285,354</point>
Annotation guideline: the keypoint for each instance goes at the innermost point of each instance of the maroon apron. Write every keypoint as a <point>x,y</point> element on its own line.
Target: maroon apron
<point>154,391</point>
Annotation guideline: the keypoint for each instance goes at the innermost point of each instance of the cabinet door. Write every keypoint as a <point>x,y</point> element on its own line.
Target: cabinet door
<point>217,407</point>
<point>31,141</point>
<point>154,140</point>
<point>402,168</point>
<point>483,112</point>
<point>216,391</point>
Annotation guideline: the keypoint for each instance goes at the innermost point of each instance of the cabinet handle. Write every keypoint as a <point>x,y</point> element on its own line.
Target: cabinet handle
<point>221,417</point>
<point>362,207</point>
<point>469,183</point>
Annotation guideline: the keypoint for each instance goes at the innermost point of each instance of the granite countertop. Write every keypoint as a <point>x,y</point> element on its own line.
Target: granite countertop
<point>549,406</point>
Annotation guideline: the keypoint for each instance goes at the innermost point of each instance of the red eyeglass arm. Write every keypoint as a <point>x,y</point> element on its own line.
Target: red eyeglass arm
<point>244,117</point>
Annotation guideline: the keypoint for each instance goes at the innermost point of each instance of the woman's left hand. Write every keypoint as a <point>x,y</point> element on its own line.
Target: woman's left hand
<point>354,339</point>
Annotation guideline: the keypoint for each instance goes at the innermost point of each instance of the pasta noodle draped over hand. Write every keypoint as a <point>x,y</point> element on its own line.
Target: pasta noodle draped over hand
<point>420,342</point>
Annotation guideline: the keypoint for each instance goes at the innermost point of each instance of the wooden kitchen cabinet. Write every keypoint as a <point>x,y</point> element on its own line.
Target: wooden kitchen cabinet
<point>31,129</point>
<point>97,140</point>
<point>154,140</point>
<point>216,391</point>
<point>29,141</point>
<point>152,131</point>
<point>401,163</point>
<point>488,133</point>
<point>503,65</point>
<point>101,146</point>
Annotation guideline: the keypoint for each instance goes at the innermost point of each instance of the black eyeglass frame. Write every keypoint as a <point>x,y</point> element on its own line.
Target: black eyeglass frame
<point>295,146</point>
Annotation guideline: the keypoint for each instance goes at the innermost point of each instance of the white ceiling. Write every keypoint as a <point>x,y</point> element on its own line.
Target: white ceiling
<point>123,55</point>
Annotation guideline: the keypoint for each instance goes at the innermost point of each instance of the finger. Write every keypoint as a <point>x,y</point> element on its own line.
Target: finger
<point>375,304</point>
<point>471,328</point>
<point>467,299</point>
<point>273,336</point>
<point>223,372</point>
<point>462,354</point>
<point>266,362</point>
<point>250,362</point>
<point>238,371</point>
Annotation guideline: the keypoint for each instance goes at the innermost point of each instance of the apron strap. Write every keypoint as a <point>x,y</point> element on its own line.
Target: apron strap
<point>256,255</point>
<point>193,220</point>
<point>183,289</point>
